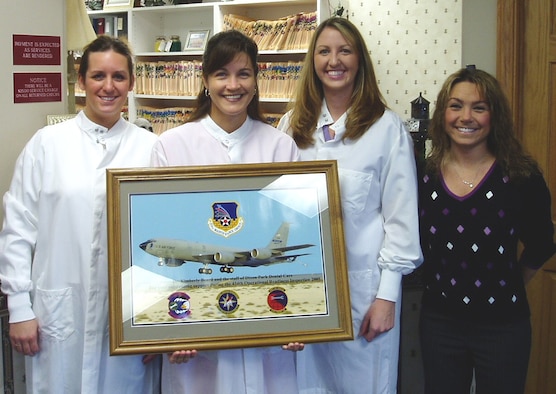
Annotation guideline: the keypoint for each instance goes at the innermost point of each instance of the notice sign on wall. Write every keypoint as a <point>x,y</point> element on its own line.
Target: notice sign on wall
<point>37,87</point>
<point>36,50</point>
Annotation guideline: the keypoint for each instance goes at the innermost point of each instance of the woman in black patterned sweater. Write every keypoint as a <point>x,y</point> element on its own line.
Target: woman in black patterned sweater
<point>480,195</point>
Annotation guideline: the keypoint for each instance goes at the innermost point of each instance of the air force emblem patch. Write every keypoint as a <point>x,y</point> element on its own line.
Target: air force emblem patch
<point>225,220</point>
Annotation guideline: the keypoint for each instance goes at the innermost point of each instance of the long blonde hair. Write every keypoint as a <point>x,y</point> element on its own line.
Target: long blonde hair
<point>367,103</point>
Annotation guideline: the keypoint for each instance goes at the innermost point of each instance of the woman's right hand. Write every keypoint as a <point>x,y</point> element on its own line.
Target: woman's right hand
<point>24,337</point>
<point>181,356</point>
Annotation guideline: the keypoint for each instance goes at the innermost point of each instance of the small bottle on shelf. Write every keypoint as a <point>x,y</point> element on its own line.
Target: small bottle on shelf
<point>160,44</point>
<point>176,44</point>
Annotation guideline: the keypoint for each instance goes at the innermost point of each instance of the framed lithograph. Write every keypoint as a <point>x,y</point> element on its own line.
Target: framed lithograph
<point>196,39</point>
<point>226,256</point>
<point>118,5</point>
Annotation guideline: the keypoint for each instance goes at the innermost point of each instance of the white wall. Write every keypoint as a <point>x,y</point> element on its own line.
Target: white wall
<point>20,121</point>
<point>479,34</point>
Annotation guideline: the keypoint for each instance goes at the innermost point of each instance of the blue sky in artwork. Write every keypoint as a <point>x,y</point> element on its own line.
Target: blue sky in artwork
<point>186,216</point>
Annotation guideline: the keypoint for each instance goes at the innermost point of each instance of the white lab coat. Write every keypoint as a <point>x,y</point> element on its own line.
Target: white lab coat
<point>236,371</point>
<point>53,259</point>
<point>203,142</point>
<point>379,204</point>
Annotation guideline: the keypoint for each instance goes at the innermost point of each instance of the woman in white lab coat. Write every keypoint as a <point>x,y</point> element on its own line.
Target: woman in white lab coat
<point>339,113</point>
<point>53,246</point>
<point>227,127</point>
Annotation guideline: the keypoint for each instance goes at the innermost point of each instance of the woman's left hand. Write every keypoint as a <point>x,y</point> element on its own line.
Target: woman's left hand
<point>379,319</point>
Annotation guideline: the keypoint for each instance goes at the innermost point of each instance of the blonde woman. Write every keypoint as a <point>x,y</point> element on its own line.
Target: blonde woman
<point>339,113</point>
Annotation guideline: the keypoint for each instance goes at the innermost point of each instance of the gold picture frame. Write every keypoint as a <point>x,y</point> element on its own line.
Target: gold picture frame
<point>274,229</point>
<point>117,5</point>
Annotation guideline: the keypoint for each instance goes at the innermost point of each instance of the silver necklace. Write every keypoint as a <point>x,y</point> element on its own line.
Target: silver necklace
<point>470,183</point>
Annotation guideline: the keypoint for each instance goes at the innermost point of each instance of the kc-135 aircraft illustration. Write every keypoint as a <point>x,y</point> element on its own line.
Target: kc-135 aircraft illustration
<point>175,252</point>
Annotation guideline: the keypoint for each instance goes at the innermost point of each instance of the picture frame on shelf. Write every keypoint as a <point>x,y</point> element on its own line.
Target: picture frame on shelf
<point>168,228</point>
<point>196,40</point>
<point>118,5</point>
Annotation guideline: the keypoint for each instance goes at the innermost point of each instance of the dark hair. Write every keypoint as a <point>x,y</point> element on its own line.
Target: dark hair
<point>501,141</point>
<point>367,103</point>
<point>221,49</point>
<point>105,43</point>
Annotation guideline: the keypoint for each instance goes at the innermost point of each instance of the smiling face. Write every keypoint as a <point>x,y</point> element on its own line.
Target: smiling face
<point>106,84</point>
<point>467,117</point>
<point>231,89</point>
<point>336,62</point>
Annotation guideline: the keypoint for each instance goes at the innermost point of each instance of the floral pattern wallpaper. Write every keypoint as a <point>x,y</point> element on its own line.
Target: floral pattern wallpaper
<point>414,45</point>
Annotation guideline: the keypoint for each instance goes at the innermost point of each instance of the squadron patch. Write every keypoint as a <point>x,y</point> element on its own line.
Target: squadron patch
<point>277,299</point>
<point>178,305</point>
<point>228,301</point>
<point>225,220</point>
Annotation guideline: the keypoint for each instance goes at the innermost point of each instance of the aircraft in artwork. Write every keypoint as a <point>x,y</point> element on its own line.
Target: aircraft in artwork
<point>175,252</point>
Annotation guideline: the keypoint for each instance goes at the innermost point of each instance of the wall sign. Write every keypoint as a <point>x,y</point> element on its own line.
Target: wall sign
<point>37,87</point>
<point>36,50</point>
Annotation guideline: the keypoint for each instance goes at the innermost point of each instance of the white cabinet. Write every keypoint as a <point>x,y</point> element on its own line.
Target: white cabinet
<point>145,24</point>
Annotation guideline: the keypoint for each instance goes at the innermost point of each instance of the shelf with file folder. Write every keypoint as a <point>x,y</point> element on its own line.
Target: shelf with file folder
<point>178,80</point>
<point>112,24</point>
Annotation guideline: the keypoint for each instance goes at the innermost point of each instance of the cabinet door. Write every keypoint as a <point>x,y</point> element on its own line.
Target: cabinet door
<point>527,68</point>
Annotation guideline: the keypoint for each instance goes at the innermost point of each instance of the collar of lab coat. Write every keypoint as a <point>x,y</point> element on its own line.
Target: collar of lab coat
<point>228,139</point>
<point>96,131</point>
<point>325,118</point>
